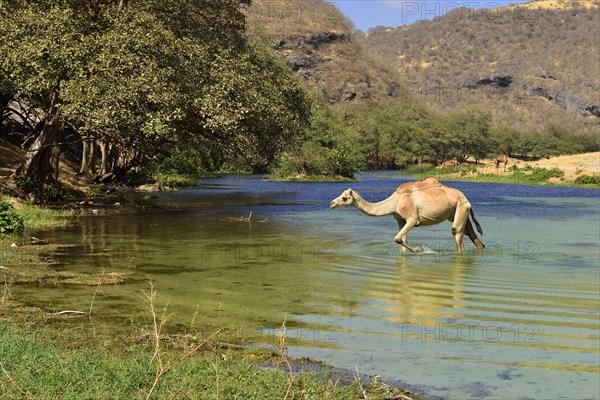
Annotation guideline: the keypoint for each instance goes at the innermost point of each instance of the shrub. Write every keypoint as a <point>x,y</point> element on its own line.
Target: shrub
<point>536,174</point>
<point>285,167</point>
<point>423,169</point>
<point>10,221</point>
<point>542,174</point>
<point>463,170</point>
<point>588,180</point>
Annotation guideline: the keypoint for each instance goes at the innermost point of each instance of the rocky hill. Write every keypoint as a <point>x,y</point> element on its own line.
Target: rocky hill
<point>532,64</point>
<point>318,42</point>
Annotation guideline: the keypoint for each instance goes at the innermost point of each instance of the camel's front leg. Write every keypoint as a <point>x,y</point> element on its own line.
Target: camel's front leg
<point>401,236</point>
<point>401,224</point>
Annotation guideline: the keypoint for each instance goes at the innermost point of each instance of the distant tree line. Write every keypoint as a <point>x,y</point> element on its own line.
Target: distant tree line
<point>347,138</point>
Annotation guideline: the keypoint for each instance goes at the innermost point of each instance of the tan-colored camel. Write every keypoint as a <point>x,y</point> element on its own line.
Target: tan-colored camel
<point>502,159</point>
<point>421,203</point>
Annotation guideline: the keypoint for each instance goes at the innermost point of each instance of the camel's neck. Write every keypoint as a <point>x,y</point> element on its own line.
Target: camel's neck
<point>385,207</point>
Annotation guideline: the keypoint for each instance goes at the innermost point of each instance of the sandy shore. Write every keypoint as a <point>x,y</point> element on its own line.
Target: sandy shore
<point>572,165</point>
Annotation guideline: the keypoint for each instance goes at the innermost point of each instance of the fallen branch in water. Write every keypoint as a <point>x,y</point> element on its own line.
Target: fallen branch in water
<point>175,338</point>
<point>397,397</point>
<point>67,312</point>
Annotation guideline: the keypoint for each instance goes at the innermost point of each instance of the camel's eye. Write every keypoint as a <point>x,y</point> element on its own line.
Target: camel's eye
<point>345,198</point>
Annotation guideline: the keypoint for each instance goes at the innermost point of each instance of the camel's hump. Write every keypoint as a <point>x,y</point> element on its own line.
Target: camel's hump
<point>419,185</point>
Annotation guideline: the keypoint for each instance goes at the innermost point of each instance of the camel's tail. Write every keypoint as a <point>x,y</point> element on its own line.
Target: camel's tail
<point>476,222</point>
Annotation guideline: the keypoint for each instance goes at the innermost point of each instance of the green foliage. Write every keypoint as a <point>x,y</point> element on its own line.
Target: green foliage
<point>285,167</point>
<point>588,180</point>
<point>180,88</point>
<point>10,220</point>
<point>542,174</point>
<point>145,76</point>
<point>539,173</point>
<point>463,170</point>
<point>420,170</point>
<point>27,185</point>
<point>329,149</point>
<point>527,174</point>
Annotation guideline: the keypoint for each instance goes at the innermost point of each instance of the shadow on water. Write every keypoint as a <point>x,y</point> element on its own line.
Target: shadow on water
<point>518,320</point>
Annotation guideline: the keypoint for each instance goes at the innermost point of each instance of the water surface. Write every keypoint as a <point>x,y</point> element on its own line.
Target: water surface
<point>520,320</point>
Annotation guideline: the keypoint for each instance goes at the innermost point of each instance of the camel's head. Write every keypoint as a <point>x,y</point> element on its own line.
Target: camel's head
<point>344,200</point>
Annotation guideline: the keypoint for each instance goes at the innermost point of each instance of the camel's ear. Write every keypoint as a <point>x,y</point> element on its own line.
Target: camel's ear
<point>350,191</point>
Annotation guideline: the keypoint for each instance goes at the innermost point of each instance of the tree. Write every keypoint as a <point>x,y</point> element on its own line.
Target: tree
<point>134,77</point>
<point>39,52</point>
<point>505,139</point>
<point>470,134</point>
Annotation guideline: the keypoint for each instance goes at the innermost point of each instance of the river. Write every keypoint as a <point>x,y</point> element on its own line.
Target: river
<point>520,320</point>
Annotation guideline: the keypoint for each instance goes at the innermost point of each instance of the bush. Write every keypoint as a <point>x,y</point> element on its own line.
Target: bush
<point>463,170</point>
<point>536,174</point>
<point>285,167</point>
<point>588,180</point>
<point>542,174</point>
<point>10,221</point>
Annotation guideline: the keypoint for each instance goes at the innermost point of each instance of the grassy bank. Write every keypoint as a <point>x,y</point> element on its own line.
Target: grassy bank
<point>525,174</point>
<point>50,364</point>
<point>38,218</point>
<point>312,178</point>
<point>46,356</point>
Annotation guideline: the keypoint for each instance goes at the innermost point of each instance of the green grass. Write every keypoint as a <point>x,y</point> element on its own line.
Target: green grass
<point>37,218</point>
<point>176,179</point>
<point>41,364</point>
<point>423,169</point>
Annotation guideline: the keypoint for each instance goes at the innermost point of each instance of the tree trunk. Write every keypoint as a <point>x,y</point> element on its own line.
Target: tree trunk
<point>92,157</point>
<point>54,164</point>
<point>41,160</point>
<point>104,161</point>
<point>84,157</point>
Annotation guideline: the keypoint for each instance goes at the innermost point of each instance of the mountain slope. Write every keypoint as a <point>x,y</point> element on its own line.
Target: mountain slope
<point>316,40</point>
<point>533,64</point>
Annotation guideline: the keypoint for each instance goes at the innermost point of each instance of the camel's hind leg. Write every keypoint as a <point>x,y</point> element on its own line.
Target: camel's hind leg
<point>461,217</point>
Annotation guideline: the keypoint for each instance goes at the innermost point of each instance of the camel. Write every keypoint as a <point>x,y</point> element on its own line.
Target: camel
<point>502,159</point>
<point>423,203</point>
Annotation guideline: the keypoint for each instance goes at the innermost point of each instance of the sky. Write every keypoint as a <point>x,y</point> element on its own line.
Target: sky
<point>370,13</point>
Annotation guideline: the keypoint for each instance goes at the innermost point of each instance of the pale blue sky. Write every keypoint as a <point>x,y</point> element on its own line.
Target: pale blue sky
<point>370,13</point>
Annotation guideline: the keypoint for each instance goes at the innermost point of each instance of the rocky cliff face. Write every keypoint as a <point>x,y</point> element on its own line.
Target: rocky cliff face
<point>547,87</point>
<point>334,63</point>
<point>317,42</point>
